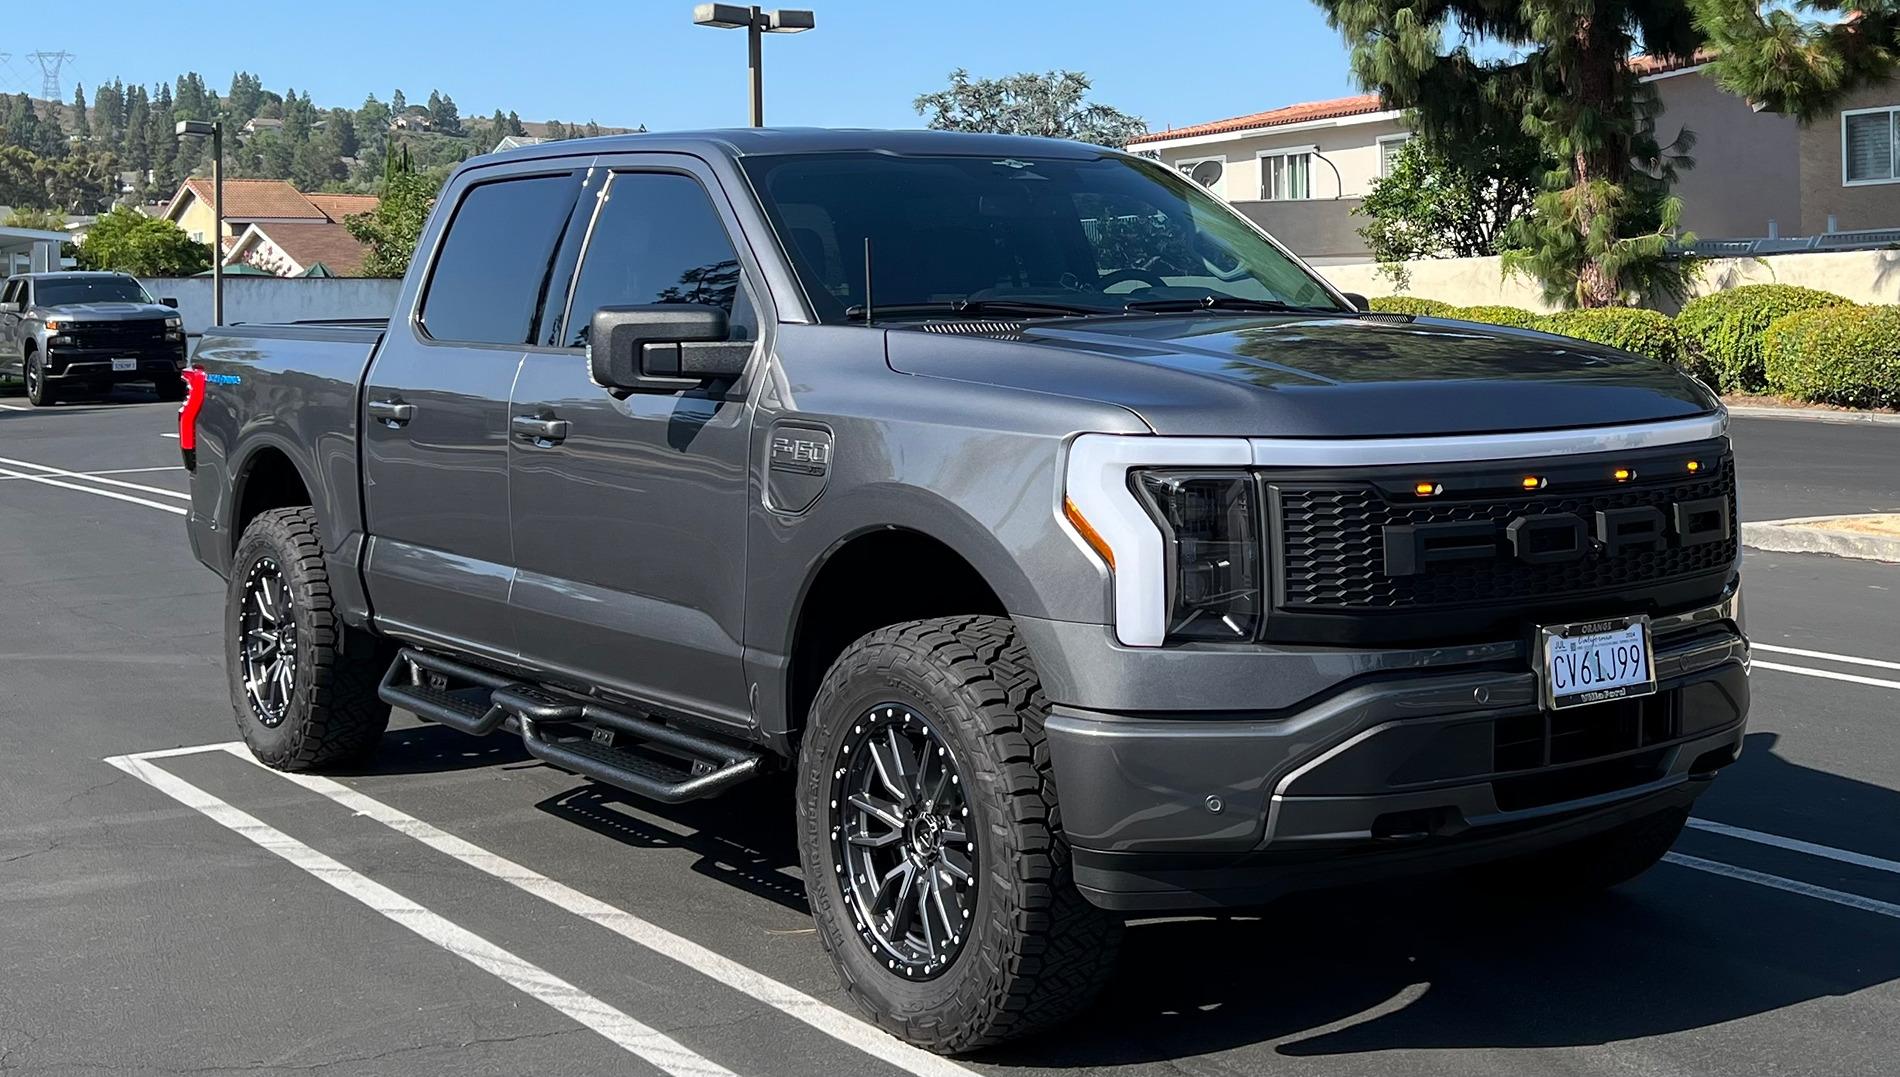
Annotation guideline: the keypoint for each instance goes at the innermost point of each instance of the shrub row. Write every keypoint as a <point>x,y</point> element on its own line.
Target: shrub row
<point>1798,342</point>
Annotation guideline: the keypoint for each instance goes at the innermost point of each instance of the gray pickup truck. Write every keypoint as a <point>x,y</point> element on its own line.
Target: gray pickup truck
<point>62,333</point>
<point>1078,550</point>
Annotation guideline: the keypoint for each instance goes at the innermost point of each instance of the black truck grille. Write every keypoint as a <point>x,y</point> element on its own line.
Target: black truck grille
<point>1331,545</point>
<point>131,335</point>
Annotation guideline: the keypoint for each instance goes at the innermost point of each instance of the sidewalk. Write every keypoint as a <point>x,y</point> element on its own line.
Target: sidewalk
<point>1871,536</point>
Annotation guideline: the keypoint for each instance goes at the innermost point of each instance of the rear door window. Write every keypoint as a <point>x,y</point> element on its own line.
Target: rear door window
<point>492,273</point>
<point>658,239</point>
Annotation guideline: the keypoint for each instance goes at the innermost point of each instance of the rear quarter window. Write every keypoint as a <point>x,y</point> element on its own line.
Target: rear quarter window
<point>490,276</point>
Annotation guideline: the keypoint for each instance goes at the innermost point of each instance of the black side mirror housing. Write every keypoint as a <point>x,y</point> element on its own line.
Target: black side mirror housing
<point>663,347</point>
<point>1359,302</point>
<point>170,301</point>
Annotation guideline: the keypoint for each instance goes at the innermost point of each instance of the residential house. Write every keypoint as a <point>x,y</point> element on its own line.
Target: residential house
<point>261,123</point>
<point>270,221</point>
<point>1301,170</point>
<point>509,142</point>
<point>1850,164</point>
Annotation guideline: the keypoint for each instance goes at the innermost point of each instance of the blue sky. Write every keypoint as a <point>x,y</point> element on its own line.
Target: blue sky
<point>642,61</point>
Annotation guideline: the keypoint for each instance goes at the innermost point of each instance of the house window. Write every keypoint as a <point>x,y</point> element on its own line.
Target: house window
<point>1389,147</point>
<point>1206,171</point>
<point>1286,174</point>
<point>1868,144</point>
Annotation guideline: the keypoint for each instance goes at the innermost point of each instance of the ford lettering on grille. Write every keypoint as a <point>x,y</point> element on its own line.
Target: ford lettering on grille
<point>1555,537</point>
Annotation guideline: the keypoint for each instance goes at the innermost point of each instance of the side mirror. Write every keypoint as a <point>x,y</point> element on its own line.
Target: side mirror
<point>9,308</point>
<point>1359,302</point>
<point>663,347</point>
<point>170,301</point>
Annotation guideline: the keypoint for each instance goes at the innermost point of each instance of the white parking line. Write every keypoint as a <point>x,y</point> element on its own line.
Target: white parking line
<point>1827,852</point>
<point>47,481</point>
<point>174,437</point>
<point>1827,674</point>
<point>624,1031</point>
<point>1825,655</point>
<point>13,407</point>
<point>786,999</point>
<point>1792,886</point>
<point>94,476</point>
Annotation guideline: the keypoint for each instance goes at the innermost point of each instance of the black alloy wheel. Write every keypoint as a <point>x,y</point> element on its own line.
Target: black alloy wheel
<point>268,642</point>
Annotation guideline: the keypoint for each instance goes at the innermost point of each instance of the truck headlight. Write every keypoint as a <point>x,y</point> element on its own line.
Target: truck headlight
<point>1211,525</point>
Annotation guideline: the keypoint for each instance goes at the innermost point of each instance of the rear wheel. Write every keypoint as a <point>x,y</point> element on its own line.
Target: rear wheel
<point>303,684</point>
<point>39,392</point>
<point>932,842</point>
<point>1586,867</point>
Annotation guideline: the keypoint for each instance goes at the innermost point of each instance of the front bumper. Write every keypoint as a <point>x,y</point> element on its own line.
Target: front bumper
<point>1395,771</point>
<point>93,366</point>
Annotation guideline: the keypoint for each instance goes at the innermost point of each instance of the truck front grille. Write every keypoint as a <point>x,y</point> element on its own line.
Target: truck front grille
<point>128,335</point>
<point>1330,539</point>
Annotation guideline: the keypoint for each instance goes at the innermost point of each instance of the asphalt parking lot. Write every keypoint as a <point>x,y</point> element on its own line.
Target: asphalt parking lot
<point>166,906</point>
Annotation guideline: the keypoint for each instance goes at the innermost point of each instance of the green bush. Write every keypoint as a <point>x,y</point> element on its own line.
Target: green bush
<point>1721,332</point>
<point>1846,357</point>
<point>1515,317</point>
<point>1644,332</point>
<point>1411,304</point>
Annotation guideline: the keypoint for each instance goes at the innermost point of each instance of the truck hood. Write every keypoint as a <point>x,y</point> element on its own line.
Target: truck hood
<point>107,312</point>
<point>1302,376</point>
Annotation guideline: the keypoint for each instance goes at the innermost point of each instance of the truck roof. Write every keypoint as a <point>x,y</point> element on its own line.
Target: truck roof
<point>70,273</point>
<point>763,141</point>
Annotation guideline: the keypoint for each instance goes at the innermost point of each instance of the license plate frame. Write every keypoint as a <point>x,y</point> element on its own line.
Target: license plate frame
<point>1550,638</point>
<point>124,366</point>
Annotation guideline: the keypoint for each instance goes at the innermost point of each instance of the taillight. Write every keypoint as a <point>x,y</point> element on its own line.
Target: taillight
<point>188,415</point>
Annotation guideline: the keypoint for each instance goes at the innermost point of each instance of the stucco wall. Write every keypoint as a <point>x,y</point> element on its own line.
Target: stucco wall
<point>1352,147</point>
<point>1822,189</point>
<point>1862,276</point>
<point>278,299</point>
<point>1322,231</point>
<point>1748,164</point>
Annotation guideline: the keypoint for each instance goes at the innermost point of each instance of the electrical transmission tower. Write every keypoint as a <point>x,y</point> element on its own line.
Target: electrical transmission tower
<point>50,63</point>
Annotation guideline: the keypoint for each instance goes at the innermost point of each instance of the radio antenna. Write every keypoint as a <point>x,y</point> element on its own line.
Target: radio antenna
<point>867,280</point>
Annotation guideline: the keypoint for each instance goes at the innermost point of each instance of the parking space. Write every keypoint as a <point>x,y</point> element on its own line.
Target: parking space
<point>166,904</point>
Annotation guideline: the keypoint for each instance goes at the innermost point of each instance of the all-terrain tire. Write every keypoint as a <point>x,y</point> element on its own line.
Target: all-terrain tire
<point>332,714</point>
<point>39,392</point>
<point>1037,952</point>
<point>1586,867</point>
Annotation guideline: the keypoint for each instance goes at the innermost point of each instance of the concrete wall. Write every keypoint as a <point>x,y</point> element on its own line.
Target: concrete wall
<point>278,299</point>
<point>1862,276</point>
<point>1322,231</point>
<point>1748,164</point>
<point>1823,190</point>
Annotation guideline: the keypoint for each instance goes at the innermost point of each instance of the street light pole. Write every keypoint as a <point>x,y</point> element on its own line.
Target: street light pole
<point>757,22</point>
<point>214,128</point>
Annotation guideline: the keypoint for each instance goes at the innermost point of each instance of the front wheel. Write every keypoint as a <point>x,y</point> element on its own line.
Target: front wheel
<point>303,684</point>
<point>39,392</point>
<point>932,841</point>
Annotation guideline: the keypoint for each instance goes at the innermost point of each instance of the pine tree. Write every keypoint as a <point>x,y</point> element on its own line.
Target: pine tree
<point>1802,67</point>
<point>161,141</point>
<point>397,102</point>
<point>1604,224</point>
<point>82,125</point>
<point>514,123</point>
<point>133,147</point>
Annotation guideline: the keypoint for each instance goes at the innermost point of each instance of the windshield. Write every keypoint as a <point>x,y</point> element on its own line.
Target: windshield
<point>1092,235</point>
<point>62,291</point>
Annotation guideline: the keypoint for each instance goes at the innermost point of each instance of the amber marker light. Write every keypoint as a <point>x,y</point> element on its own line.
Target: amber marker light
<point>1623,474</point>
<point>1087,531</point>
<point>1695,466</point>
<point>1428,489</point>
<point>1535,482</point>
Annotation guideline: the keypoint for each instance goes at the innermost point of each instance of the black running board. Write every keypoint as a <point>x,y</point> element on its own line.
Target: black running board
<point>621,748</point>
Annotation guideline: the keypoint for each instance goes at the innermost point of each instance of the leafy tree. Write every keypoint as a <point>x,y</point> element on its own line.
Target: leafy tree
<point>392,229</point>
<point>1053,105</point>
<point>45,220</point>
<point>128,241</point>
<point>82,125</point>
<point>1803,67</point>
<point>1450,203</point>
<point>84,181</point>
<point>1605,221</point>
<point>22,177</point>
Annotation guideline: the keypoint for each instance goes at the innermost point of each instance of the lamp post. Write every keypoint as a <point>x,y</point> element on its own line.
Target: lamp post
<point>214,128</point>
<point>757,23</point>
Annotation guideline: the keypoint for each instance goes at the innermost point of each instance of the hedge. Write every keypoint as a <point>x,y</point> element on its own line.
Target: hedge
<point>1411,304</point>
<point>1722,332</point>
<point>1846,357</point>
<point>1515,317</point>
<point>1644,332</point>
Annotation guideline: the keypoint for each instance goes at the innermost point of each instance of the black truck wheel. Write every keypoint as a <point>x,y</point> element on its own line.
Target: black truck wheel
<point>302,683</point>
<point>932,841</point>
<point>1586,867</point>
<point>39,392</point>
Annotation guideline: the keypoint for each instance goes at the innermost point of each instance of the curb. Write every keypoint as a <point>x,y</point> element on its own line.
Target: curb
<point>1797,536</point>
<point>1814,415</point>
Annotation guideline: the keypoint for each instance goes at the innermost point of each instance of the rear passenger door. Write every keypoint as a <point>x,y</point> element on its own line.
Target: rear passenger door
<point>629,530</point>
<point>435,410</point>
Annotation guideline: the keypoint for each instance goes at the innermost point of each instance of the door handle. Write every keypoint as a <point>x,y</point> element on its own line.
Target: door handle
<point>391,412</point>
<point>539,430</point>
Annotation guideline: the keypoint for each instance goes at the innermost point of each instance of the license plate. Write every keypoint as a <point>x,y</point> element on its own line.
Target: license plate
<point>1595,662</point>
<point>125,364</point>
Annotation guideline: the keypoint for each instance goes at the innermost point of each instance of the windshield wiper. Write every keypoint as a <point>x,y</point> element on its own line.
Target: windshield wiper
<point>1226,302</point>
<point>1029,307</point>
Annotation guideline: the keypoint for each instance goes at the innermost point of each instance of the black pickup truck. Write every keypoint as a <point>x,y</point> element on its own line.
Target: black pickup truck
<point>1079,551</point>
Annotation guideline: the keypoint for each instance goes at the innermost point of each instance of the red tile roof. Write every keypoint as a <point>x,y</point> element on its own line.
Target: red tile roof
<point>308,243</point>
<point>1301,113</point>
<point>338,206</point>
<point>252,199</point>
